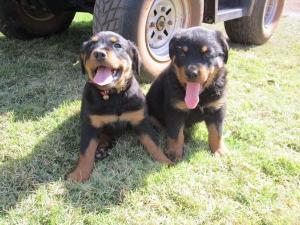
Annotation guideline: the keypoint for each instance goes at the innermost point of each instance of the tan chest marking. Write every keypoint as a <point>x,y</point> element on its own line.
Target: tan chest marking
<point>134,117</point>
<point>217,104</point>
<point>180,105</point>
<point>99,121</point>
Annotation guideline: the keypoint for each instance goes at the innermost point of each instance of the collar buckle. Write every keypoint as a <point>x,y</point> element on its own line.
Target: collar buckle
<point>105,95</point>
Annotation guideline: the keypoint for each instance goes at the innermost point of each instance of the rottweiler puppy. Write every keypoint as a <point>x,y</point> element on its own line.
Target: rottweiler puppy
<point>192,89</point>
<point>112,99</point>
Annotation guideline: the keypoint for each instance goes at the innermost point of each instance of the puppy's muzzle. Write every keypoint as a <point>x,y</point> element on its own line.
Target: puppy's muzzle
<point>100,55</point>
<point>192,72</point>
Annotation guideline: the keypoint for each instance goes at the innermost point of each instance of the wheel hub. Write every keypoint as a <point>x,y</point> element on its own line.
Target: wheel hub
<point>164,18</point>
<point>160,24</point>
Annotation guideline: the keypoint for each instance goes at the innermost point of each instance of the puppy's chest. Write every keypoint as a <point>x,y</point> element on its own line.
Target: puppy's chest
<point>117,112</point>
<point>208,100</point>
<point>117,106</point>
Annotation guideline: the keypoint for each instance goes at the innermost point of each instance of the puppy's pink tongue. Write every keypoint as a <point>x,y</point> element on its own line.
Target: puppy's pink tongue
<point>104,76</point>
<point>192,93</point>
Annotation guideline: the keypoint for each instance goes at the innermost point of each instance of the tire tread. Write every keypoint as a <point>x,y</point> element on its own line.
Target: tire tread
<point>108,15</point>
<point>249,30</point>
<point>16,25</point>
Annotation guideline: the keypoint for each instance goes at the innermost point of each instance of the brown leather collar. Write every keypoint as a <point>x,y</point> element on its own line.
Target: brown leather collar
<point>105,93</point>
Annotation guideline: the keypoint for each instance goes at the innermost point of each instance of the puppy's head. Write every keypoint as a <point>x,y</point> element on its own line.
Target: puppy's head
<point>109,60</point>
<point>197,55</point>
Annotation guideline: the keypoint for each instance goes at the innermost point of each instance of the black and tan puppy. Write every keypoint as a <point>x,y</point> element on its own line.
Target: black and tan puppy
<point>112,99</point>
<point>192,89</point>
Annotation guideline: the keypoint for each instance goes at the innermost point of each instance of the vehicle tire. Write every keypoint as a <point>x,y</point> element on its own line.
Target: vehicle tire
<point>148,23</point>
<point>259,27</point>
<point>21,23</point>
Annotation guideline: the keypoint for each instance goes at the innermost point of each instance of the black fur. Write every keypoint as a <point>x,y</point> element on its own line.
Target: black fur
<point>167,89</point>
<point>136,59</point>
<point>129,99</point>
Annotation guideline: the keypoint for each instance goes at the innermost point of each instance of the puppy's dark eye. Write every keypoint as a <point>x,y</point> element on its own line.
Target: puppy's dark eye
<point>117,45</point>
<point>182,51</point>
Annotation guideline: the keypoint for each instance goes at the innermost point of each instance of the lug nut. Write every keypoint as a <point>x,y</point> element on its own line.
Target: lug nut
<point>161,23</point>
<point>170,22</point>
<point>152,24</point>
<point>163,9</point>
<point>160,37</point>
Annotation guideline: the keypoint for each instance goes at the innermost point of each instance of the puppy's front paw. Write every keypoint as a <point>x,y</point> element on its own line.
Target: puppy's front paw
<point>220,151</point>
<point>78,176</point>
<point>102,153</point>
<point>175,156</point>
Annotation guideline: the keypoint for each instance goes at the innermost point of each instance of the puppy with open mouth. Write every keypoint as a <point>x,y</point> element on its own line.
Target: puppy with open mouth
<point>112,100</point>
<point>192,89</point>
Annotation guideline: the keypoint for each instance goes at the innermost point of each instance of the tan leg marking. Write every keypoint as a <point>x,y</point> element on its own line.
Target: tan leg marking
<point>215,141</point>
<point>154,150</point>
<point>85,163</point>
<point>175,147</point>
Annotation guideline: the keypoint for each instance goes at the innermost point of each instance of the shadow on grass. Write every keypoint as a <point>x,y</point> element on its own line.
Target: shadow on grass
<point>240,47</point>
<point>38,75</point>
<point>48,162</point>
<point>56,155</point>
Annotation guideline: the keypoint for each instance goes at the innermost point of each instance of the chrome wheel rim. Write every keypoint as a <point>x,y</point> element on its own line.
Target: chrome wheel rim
<point>164,18</point>
<point>270,12</point>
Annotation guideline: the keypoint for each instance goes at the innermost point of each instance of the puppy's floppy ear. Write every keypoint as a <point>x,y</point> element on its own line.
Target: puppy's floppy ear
<point>82,59</point>
<point>173,45</point>
<point>82,56</point>
<point>135,57</point>
<point>222,40</point>
<point>172,48</point>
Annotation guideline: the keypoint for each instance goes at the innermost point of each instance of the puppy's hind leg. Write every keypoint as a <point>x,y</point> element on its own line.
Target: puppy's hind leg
<point>214,123</point>
<point>149,140</point>
<point>175,126</point>
<point>104,146</point>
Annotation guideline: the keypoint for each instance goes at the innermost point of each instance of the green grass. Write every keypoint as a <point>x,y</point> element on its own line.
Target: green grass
<point>257,183</point>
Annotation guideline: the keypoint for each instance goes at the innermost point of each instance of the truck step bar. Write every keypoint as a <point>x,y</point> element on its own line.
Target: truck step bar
<point>224,10</point>
<point>230,14</point>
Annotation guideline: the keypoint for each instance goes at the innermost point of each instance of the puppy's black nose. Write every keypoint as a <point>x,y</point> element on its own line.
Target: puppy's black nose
<point>100,55</point>
<point>192,72</point>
